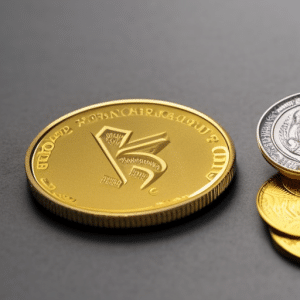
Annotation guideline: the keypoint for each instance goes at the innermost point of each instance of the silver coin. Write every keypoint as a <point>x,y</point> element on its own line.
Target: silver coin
<point>278,135</point>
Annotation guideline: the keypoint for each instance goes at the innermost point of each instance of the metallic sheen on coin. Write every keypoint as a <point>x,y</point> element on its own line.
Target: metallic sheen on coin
<point>278,207</point>
<point>278,135</point>
<point>287,245</point>
<point>130,163</point>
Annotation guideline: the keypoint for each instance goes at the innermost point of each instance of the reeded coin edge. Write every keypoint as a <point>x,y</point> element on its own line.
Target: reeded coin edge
<point>288,172</point>
<point>138,219</point>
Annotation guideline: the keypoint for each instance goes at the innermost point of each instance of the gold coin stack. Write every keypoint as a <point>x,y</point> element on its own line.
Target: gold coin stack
<point>278,200</point>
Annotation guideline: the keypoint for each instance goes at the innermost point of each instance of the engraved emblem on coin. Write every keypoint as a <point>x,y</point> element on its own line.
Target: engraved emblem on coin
<point>279,208</point>
<point>117,169</point>
<point>289,133</point>
<point>278,135</point>
<point>136,158</point>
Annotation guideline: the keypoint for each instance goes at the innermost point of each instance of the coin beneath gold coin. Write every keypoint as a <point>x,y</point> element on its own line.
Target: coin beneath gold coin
<point>287,245</point>
<point>278,136</point>
<point>130,163</point>
<point>278,207</point>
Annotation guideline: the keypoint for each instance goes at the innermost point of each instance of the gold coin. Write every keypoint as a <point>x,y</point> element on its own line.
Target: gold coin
<point>130,163</point>
<point>278,207</point>
<point>292,185</point>
<point>286,245</point>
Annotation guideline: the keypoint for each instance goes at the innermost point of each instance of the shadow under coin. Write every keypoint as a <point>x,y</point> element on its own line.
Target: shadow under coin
<point>280,252</point>
<point>142,234</point>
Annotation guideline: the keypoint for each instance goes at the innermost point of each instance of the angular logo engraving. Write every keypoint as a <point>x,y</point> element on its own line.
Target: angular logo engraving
<point>136,158</point>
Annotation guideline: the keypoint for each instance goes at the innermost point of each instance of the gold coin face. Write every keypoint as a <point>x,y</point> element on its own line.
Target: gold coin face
<point>278,207</point>
<point>130,163</point>
<point>287,245</point>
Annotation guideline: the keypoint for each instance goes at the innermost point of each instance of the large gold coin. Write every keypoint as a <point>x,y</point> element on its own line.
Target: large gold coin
<point>287,245</point>
<point>279,207</point>
<point>130,163</point>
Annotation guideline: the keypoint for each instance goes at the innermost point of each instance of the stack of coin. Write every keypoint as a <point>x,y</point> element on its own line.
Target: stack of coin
<point>278,200</point>
<point>130,163</point>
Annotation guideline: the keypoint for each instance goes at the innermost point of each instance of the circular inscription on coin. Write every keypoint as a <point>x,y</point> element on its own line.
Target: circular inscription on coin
<point>289,245</point>
<point>278,207</point>
<point>278,135</point>
<point>130,163</point>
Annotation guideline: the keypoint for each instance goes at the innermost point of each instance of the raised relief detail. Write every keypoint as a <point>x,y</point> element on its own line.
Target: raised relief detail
<point>289,133</point>
<point>282,206</point>
<point>136,159</point>
<point>46,149</point>
<point>220,158</point>
<point>111,181</point>
<point>50,187</point>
